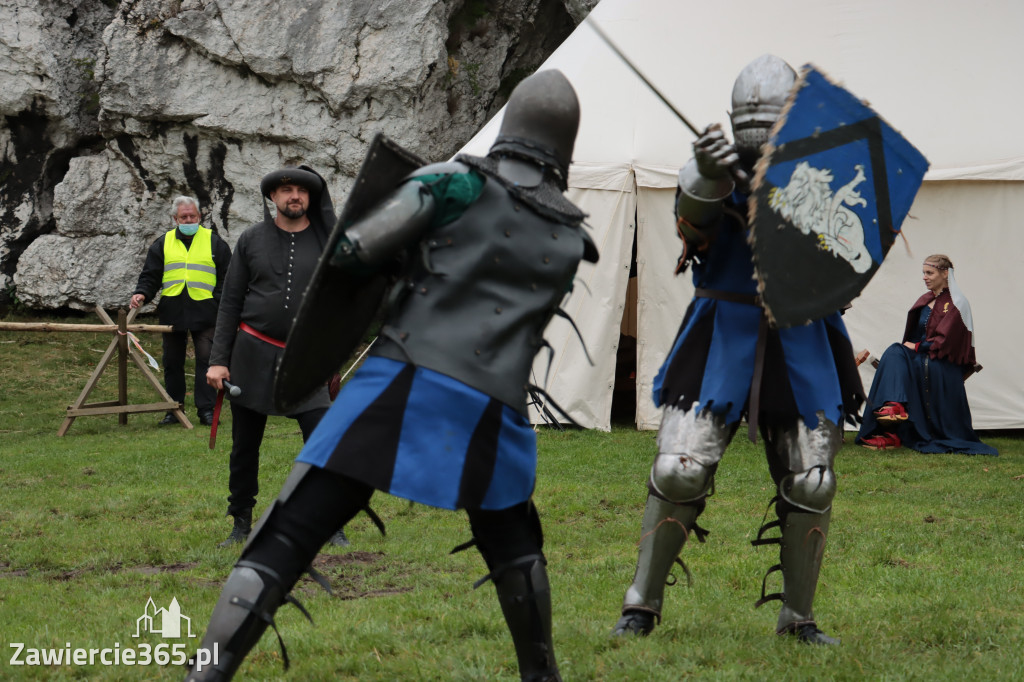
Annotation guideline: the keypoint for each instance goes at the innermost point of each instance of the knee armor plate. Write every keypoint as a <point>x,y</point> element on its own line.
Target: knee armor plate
<point>690,445</point>
<point>807,454</point>
<point>678,478</point>
<point>811,490</point>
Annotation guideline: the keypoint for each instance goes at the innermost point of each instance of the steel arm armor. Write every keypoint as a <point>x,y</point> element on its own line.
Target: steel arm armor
<point>393,224</point>
<point>699,198</point>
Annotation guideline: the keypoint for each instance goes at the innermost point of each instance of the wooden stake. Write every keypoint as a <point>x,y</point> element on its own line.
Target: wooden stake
<point>122,364</point>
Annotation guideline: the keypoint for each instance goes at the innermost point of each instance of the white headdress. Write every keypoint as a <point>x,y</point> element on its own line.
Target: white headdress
<point>959,300</point>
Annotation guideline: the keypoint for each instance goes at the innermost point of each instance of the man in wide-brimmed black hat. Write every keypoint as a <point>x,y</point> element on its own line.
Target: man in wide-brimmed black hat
<point>274,261</point>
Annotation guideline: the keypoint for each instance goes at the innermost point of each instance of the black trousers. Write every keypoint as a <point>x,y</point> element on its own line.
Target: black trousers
<point>325,501</point>
<point>174,366</point>
<point>247,427</point>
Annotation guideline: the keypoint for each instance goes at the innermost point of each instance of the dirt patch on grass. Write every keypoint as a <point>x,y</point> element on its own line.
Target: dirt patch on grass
<point>324,561</point>
<point>347,595</point>
<point>350,575</point>
<point>7,572</point>
<point>144,569</point>
<point>167,568</point>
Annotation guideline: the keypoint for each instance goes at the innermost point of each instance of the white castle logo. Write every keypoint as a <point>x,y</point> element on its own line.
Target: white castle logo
<point>169,620</point>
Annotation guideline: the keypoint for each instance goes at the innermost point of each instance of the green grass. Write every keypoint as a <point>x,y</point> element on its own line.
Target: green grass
<point>922,575</point>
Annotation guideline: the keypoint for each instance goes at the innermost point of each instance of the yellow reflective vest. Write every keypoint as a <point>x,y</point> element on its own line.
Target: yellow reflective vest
<point>192,268</point>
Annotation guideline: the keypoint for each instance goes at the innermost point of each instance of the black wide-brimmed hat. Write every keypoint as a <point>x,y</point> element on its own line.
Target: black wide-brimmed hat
<point>291,175</point>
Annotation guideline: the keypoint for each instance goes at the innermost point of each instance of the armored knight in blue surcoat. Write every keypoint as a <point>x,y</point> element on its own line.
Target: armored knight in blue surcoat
<point>795,385</point>
<point>438,413</point>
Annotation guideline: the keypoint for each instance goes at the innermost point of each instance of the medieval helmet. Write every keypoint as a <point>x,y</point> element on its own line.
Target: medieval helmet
<point>758,96</point>
<point>540,123</point>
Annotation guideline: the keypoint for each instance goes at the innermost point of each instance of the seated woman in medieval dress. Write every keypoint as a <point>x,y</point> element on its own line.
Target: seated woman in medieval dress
<point>917,398</point>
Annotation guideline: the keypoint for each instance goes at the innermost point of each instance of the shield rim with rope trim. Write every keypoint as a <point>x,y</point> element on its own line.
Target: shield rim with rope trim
<point>791,295</point>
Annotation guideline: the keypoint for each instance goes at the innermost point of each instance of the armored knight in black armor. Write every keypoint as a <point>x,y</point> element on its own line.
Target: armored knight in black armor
<point>797,384</point>
<point>437,414</point>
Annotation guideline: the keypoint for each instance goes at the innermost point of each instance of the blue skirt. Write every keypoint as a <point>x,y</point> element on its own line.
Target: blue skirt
<point>426,437</point>
<point>933,393</point>
<point>807,370</point>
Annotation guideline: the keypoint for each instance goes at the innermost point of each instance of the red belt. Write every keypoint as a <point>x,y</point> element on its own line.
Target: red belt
<point>220,394</point>
<point>260,335</point>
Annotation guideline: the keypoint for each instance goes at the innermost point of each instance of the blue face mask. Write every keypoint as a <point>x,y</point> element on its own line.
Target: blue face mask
<point>188,229</point>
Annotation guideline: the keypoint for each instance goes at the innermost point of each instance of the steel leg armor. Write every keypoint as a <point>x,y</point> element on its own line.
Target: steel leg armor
<point>246,606</point>
<point>255,590</point>
<point>690,445</point>
<point>801,462</point>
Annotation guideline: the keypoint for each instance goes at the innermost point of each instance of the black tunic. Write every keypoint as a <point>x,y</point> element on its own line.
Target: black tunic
<point>269,272</point>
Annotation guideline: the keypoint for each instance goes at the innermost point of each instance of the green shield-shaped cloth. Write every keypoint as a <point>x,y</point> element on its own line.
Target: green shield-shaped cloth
<point>339,305</point>
<point>830,194</point>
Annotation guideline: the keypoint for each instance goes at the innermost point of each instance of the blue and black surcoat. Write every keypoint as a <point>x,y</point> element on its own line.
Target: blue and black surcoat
<point>437,414</point>
<point>806,370</point>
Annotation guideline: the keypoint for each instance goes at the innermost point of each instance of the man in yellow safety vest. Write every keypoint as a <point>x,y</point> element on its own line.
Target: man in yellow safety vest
<point>187,265</point>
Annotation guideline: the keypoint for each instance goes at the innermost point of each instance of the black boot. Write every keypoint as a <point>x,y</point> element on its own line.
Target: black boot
<point>808,633</point>
<point>525,598</point>
<point>634,622</point>
<point>240,532</point>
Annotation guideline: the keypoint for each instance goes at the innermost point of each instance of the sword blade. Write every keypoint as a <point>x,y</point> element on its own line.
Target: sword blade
<point>216,417</point>
<point>608,41</point>
<point>735,168</point>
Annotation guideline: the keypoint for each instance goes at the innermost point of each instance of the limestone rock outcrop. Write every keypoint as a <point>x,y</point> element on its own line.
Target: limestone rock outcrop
<point>110,110</point>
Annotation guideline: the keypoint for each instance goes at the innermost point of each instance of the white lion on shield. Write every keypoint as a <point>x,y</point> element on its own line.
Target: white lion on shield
<point>809,204</point>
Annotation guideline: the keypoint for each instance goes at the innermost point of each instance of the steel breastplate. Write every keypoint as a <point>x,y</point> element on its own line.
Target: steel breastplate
<point>478,297</point>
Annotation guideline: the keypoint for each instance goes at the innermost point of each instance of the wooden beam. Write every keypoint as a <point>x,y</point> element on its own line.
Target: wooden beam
<point>121,409</point>
<point>89,385</point>
<point>125,352</point>
<point>65,327</point>
<point>136,357</point>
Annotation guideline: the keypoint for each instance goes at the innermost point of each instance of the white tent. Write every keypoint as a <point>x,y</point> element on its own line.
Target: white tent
<point>938,73</point>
